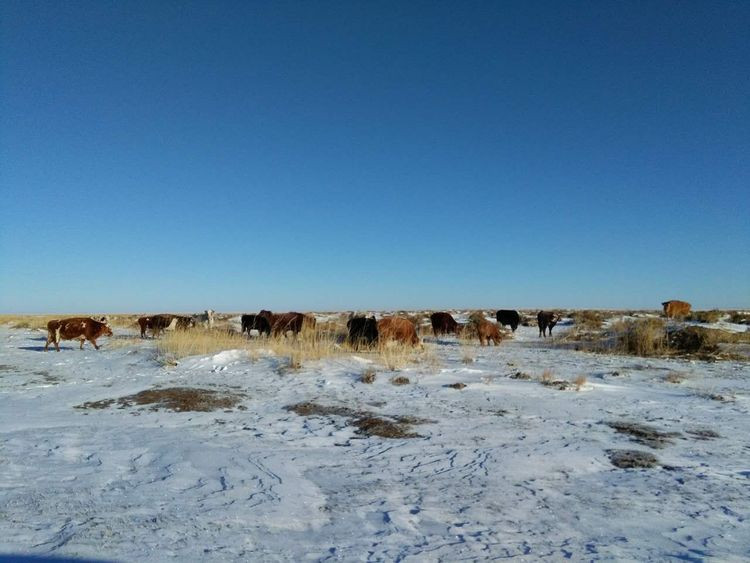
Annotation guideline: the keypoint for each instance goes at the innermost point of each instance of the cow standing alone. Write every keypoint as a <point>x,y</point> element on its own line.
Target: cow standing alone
<point>398,329</point>
<point>676,308</point>
<point>443,323</point>
<point>546,320</point>
<point>83,328</point>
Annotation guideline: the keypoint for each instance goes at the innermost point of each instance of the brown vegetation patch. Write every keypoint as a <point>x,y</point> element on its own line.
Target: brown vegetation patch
<point>739,317</point>
<point>458,385</point>
<point>644,434</point>
<point>367,423</point>
<point>675,377</point>
<point>520,375</point>
<point>178,399</point>
<point>368,376</point>
<point>705,316</point>
<point>703,433</point>
<point>400,380</point>
<point>632,459</point>
<point>587,320</point>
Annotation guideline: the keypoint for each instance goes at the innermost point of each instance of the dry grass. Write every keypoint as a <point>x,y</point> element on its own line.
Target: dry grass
<point>675,377</point>
<point>579,382</point>
<point>547,377</point>
<point>368,376</point>
<point>587,320</point>
<point>177,399</point>
<point>309,345</point>
<point>400,380</point>
<point>394,355</point>
<point>739,317</point>
<point>32,322</point>
<point>646,337</point>
<point>705,316</point>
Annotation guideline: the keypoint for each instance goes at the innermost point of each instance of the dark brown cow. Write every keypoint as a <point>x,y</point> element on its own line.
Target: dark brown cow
<point>362,331</point>
<point>83,328</point>
<point>546,320</point>
<point>167,321</point>
<point>283,322</point>
<point>145,324</point>
<point>261,324</point>
<point>488,332</point>
<point>676,308</point>
<point>398,329</point>
<point>443,323</point>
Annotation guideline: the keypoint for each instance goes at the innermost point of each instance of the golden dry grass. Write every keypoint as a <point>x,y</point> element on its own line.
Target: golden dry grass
<point>646,337</point>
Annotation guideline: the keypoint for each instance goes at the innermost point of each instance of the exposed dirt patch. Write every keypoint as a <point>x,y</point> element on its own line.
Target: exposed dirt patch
<point>458,385</point>
<point>559,384</point>
<point>520,375</point>
<point>632,459</point>
<point>644,434</point>
<point>367,423</point>
<point>702,433</point>
<point>400,380</point>
<point>5,367</point>
<point>178,399</point>
<point>368,376</point>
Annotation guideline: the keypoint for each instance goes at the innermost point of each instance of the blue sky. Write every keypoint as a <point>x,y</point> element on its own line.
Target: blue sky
<point>364,155</point>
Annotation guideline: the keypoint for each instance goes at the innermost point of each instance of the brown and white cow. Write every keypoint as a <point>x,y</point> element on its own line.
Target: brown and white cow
<point>398,329</point>
<point>82,328</point>
<point>676,308</point>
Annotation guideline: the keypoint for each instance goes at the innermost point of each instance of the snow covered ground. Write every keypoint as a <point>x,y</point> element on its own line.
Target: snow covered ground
<point>507,468</point>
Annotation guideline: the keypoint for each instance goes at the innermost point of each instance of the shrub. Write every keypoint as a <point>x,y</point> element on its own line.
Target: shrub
<point>739,317</point>
<point>645,337</point>
<point>706,316</point>
<point>588,320</point>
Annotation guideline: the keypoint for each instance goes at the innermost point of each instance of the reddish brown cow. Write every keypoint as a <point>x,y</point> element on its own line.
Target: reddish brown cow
<point>283,322</point>
<point>676,308</point>
<point>83,328</point>
<point>487,332</point>
<point>443,323</point>
<point>145,324</point>
<point>398,329</point>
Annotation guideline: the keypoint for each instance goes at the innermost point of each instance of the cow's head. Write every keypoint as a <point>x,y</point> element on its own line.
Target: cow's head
<point>106,331</point>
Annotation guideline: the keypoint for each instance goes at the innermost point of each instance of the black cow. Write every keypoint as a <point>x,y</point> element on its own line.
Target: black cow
<point>507,317</point>
<point>362,331</point>
<point>546,320</point>
<point>261,324</point>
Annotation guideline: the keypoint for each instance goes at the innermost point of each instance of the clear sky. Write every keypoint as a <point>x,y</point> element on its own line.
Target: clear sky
<point>161,156</point>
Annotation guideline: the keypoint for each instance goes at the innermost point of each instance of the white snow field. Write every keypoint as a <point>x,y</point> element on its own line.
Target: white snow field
<point>506,467</point>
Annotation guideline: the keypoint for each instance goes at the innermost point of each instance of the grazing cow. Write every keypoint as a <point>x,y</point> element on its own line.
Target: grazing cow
<point>398,329</point>
<point>507,317</point>
<point>362,331</point>
<point>83,328</point>
<point>283,322</point>
<point>676,308</point>
<point>487,332</point>
<point>443,323</point>
<point>157,323</point>
<point>261,324</point>
<point>546,320</point>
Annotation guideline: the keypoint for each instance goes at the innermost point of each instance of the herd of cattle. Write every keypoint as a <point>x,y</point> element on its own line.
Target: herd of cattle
<point>362,331</point>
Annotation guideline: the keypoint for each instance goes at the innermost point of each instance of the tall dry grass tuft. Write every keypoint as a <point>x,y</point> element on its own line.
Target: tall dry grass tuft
<point>587,320</point>
<point>644,337</point>
<point>394,355</point>
<point>712,316</point>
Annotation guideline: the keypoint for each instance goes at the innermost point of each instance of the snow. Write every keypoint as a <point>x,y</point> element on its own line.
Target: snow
<point>506,468</point>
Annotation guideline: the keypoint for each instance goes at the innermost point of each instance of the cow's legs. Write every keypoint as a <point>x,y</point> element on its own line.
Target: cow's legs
<point>82,341</point>
<point>94,343</point>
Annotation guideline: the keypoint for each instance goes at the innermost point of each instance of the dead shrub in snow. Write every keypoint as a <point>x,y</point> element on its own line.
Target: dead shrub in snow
<point>675,377</point>
<point>400,380</point>
<point>546,377</point>
<point>579,382</point>
<point>368,376</point>
<point>520,375</point>
<point>739,317</point>
<point>644,434</point>
<point>632,459</point>
<point>645,337</point>
<point>587,320</point>
<point>376,426</point>
<point>458,385</point>
<point>711,316</point>
<point>177,399</point>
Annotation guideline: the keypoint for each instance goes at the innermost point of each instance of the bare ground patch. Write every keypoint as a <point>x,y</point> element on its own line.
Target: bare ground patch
<point>178,399</point>
<point>632,459</point>
<point>366,423</point>
<point>644,434</point>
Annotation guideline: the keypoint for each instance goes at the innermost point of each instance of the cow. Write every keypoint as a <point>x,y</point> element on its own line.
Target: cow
<point>443,323</point>
<point>488,332</point>
<point>144,323</point>
<point>283,322</point>
<point>676,308</point>
<point>507,317</point>
<point>83,328</point>
<point>261,324</point>
<point>362,331</point>
<point>157,323</point>
<point>546,320</point>
<point>399,329</point>
<point>206,318</point>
